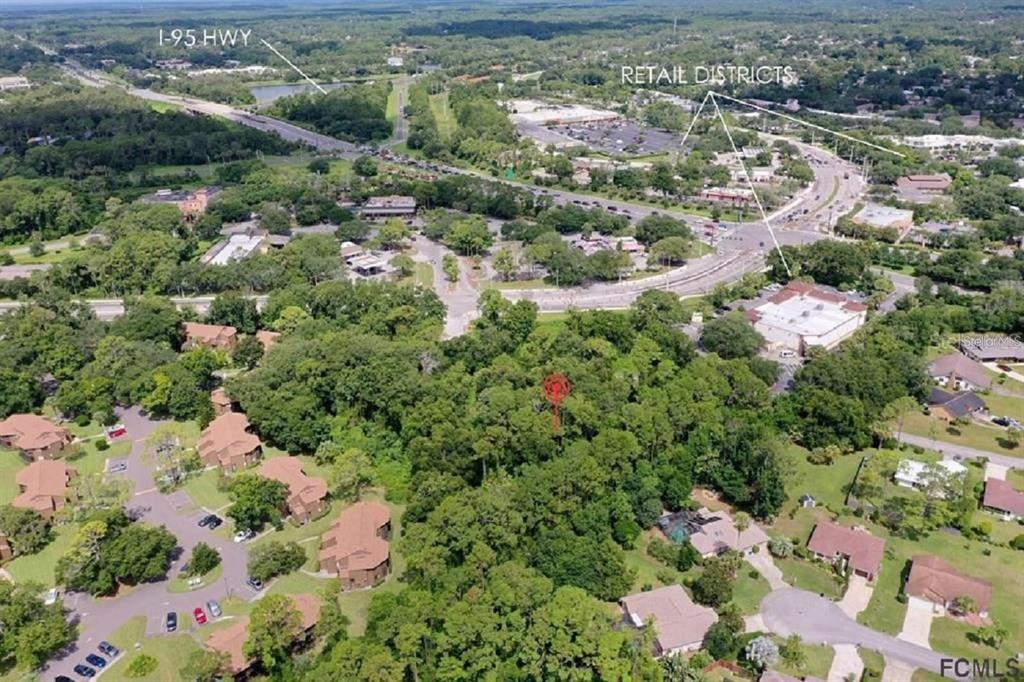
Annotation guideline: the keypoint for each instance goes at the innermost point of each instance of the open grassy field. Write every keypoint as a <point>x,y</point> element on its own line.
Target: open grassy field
<point>203,491</point>
<point>748,590</point>
<point>811,576</point>
<point>39,567</point>
<point>443,115</point>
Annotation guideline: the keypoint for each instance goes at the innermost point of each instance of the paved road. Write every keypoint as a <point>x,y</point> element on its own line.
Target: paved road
<point>459,297</point>
<point>819,620</point>
<point>962,451</point>
<point>98,619</point>
<point>401,131</point>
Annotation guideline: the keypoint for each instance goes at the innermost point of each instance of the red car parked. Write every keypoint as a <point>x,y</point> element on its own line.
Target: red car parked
<point>199,615</point>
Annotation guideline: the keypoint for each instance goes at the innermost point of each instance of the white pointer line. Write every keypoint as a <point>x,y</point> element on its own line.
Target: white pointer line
<point>297,69</point>
<point>694,119</point>
<point>750,183</point>
<point>809,125</point>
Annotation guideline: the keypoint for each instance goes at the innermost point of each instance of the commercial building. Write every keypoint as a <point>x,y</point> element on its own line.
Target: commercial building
<point>191,204</point>
<point>852,548</point>
<point>366,265</point>
<point>935,580</point>
<point>237,247</point>
<point>883,217</point>
<point>231,640</point>
<point>14,83</point>
<point>356,548</point>
<point>949,407</point>
<point>307,495</point>
<point>958,372</point>
<point>44,485</point>
<point>1003,499</point>
<point>711,533</point>
<point>391,206</point>
<point>802,315</point>
<point>34,436</point>
<point>728,196</point>
<point>227,443</point>
<point>545,113</point>
<point>992,348</point>
<point>924,183</point>
<point>214,336</point>
<point>679,624</point>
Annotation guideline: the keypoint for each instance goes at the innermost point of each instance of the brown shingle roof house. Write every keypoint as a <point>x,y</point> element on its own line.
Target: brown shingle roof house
<point>957,372</point>
<point>44,486</point>
<point>231,640</point>
<point>935,580</point>
<point>210,335</point>
<point>355,546</point>
<point>267,339</point>
<point>306,494</point>
<point>221,401</point>
<point>679,624</point>
<point>227,443</point>
<point>36,437</point>
<point>860,550</point>
<point>1001,497</point>
<point>716,532</point>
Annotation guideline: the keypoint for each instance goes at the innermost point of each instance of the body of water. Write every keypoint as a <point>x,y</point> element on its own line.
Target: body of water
<point>266,94</point>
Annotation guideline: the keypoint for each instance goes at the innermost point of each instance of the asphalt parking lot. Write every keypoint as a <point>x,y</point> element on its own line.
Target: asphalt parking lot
<point>621,137</point>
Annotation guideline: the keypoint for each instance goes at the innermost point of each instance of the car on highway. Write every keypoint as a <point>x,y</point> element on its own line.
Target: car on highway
<point>96,661</point>
<point>214,608</point>
<point>108,649</point>
<point>171,621</point>
<point>255,583</point>
<point>84,671</point>
<point>199,615</point>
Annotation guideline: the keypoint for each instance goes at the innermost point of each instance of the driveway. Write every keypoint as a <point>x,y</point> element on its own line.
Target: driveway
<point>98,619</point>
<point>897,671</point>
<point>763,564</point>
<point>820,621</point>
<point>847,664</point>
<point>917,624</point>
<point>858,594</point>
<point>996,471</point>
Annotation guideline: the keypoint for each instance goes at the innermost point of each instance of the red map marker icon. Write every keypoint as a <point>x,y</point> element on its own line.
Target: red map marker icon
<point>556,389</point>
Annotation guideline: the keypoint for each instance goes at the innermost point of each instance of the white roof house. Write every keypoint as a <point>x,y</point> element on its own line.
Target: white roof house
<point>237,247</point>
<point>913,474</point>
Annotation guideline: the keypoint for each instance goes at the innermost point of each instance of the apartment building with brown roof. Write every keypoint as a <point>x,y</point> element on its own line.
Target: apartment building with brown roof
<point>231,640</point>
<point>227,443</point>
<point>36,437</point>
<point>44,485</point>
<point>856,549</point>
<point>307,495</point>
<point>935,580</point>
<point>221,401</point>
<point>216,336</point>
<point>355,547</point>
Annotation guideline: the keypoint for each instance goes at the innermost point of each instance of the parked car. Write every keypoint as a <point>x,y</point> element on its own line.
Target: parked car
<point>199,615</point>
<point>108,649</point>
<point>1002,421</point>
<point>243,535</point>
<point>62,678</point>
<point>117,468</point>
<point>96,661</point>
<point>215,522</point>
<point>171,621</point>
<point>84,671</point>
<point>254,584</point>
<point>214,608</point>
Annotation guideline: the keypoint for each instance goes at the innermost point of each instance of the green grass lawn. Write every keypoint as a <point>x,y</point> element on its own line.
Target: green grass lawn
<point>647,567</point>
<point>818,661</point>
<point>809,576</point>
<point>10,464</point>
<point>874,664</point>
<point>203,490</point>
<point>748,590</point>
<point>922,675</point>
<point>991,438</point>
<point>39,567</point>
<point>884,612</point>
<point>90,460</point>
<point>950,637</point>
<point>179,583</point>
<point>170,651</point>
<point>443,115</point>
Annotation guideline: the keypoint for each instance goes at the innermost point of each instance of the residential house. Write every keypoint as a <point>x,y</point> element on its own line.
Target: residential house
<point>679,624</point>
<point>913,474</point>
<point>935,580</point>
<point>221,401</point>
<point>216,336</point>
<point>711,533</point>
<point>231,640</point>
<point>949,407</point>
<point>355,547</point>
<point>992,348</point>
<point>227,443</point>
<point>267,338</point>
<point>44,485</point>
<point>958,372</point>
<point>852,548</point>
<point>36,437</point>
<point>307,495</point>
<point>1001,498</point>
<point>349,249</point>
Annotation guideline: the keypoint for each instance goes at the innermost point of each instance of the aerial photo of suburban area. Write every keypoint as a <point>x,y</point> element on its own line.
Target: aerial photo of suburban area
<point>550,340</point>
